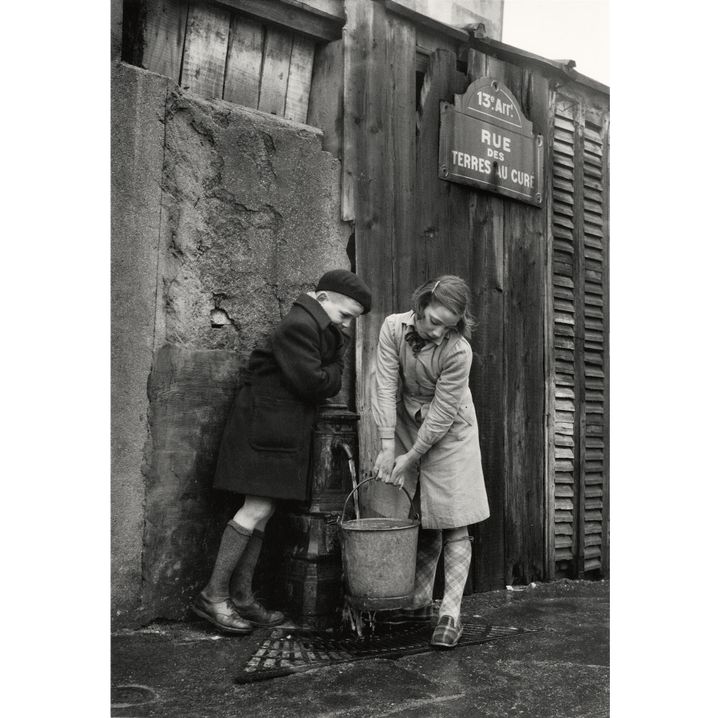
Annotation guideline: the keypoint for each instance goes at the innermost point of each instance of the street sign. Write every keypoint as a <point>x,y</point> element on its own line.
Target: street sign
<point>487,142</point>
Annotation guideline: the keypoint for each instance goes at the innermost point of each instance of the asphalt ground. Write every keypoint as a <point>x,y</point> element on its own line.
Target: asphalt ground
<point>188,670</point>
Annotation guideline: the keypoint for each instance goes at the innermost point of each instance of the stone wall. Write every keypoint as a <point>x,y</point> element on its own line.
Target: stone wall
<point>138,108</point>
<point>221,216</point>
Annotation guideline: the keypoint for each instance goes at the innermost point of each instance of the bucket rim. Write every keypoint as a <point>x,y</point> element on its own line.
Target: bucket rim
<point>407,524</point>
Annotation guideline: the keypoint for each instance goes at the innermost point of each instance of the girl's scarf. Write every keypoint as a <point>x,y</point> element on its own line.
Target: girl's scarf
<point>415,341</point>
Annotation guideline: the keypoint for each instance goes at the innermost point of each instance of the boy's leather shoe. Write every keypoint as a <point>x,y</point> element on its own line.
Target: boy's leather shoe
<point>256,615</point>
<point>221,614</point>
<point>447,633</point>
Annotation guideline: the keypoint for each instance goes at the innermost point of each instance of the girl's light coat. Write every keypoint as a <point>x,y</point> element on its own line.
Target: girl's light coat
<point>424,401</point>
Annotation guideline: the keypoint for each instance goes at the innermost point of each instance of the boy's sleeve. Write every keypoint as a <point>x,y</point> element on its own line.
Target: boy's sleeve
<point>296,348</point>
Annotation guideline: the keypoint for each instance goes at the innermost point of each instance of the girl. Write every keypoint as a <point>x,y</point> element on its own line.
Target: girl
<point>429,438</point>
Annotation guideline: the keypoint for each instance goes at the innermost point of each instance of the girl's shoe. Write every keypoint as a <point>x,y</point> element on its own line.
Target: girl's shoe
<point>447,633</point>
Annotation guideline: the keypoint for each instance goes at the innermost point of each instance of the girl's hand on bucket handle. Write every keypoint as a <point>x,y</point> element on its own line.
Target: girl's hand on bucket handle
<point>402,464</point>
<point>384,464</point>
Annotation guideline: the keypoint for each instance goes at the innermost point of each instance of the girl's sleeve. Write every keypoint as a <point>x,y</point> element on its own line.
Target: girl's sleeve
<point>384,400</point>
<point>449,392</point>
<point>296,348</point>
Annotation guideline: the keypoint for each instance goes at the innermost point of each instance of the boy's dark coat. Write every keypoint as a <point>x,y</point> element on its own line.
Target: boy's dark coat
<point>265,448</point>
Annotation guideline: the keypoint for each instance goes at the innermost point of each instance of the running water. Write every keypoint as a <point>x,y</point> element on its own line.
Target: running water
<point>355,619</point>
<point>353,474</point>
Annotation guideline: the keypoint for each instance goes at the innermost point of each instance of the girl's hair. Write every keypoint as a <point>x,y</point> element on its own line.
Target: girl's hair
<point>450,291</point>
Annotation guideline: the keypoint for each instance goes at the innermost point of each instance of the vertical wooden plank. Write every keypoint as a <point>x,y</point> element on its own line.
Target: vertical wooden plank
<point>365,128</point>
<point>300,75</point>
<point>244,61</point>
<point>495,68</point>
<point>477,64</point>
<point>206,42</point>
<point>396,160</point>
<point>540,114</point>
<point>400,152</point>
<point>441,82</point>
<point>487,380</point>
<point>275,71</point>
<point>325,104</point>
<point>525,381</point>
<point>525,451</point>
<point>165,24</point>
<point>355,39</point>
<point>538,107</point>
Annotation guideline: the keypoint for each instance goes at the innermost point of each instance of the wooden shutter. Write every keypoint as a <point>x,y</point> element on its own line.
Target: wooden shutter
<point>579,343</point>
<point>564,338</point>
<point>594,474</point>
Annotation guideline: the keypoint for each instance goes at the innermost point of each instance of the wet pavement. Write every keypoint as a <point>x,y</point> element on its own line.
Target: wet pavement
<point>187,670</point>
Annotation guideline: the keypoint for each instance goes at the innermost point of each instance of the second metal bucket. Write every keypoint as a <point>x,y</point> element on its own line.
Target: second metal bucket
<point>378,557</point>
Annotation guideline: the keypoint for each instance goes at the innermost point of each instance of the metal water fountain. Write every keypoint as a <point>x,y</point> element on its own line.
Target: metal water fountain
<point>312,565</point>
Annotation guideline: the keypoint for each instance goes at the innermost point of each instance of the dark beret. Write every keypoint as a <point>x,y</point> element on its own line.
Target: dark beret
<point>347,283</point>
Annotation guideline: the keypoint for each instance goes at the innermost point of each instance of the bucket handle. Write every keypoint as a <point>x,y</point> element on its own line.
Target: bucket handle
<point>364,481</point>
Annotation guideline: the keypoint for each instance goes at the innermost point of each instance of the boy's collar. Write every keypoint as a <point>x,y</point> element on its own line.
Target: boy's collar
<point>315,309</point>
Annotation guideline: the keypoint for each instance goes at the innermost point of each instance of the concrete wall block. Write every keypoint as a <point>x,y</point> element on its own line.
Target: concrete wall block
<point>191,392</point>
<point>138,108</point>
<point>250,218</point>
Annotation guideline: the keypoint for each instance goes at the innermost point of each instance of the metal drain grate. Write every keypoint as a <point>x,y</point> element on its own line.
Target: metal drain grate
<point>282,652</point>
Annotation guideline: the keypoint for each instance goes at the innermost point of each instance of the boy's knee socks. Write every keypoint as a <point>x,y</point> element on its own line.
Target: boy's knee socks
<point>232,544</point>
<point>457,555</point>
<point>242,577</point>
<point>428,554</point>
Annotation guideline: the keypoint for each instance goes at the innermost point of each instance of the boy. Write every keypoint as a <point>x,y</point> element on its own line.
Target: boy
<point>265,449</point>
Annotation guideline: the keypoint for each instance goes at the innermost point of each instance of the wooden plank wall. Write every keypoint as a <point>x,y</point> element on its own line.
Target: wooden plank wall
<point>215,52</point>
<point>410,225</point>
<point>537,440</point>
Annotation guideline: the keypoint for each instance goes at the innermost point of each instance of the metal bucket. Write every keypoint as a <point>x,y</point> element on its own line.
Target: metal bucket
<point>378,556</point>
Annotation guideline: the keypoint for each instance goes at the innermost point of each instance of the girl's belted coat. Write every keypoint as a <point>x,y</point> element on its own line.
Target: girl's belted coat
<point>423,400</point>
<point>265,449</point>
